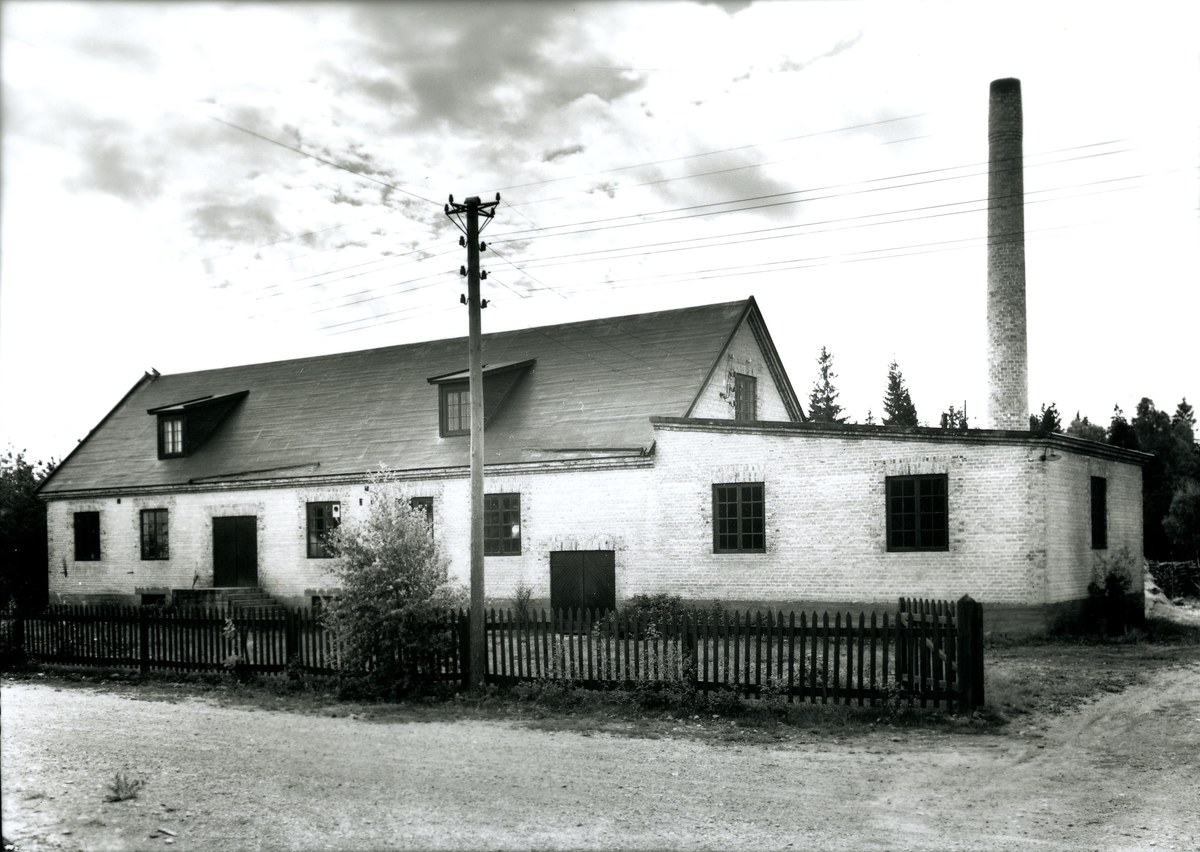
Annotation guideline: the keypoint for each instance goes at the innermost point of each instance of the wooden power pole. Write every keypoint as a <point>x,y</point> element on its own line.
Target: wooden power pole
<point>472,210</point>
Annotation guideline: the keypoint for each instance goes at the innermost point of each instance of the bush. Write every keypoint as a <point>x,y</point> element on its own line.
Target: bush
<point>391,616</point>
<point>1109,608</point>
<point>662,607</point>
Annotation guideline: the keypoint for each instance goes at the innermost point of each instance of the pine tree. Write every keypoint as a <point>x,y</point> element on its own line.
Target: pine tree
<point>1047,421</point>
<point>870,421</point>
<point>822,402</point>
<point>898,408</point>
<point>955,420</point>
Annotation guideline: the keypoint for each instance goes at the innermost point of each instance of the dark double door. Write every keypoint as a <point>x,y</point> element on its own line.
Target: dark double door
<point>583,579</point>
<point>235,551</point>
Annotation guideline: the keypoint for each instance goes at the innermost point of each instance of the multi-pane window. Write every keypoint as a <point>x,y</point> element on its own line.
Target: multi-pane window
<point>456,409</point>
<point>739,519</point>
<point>745,397</point>
<point>87,536</point>
<point>502,524</point>
<point>154,534</point>
<point>424,505</point>
<point>323,519</point>
<point>917,513</point>
<point>1099,513</point>
<point>170,433</point>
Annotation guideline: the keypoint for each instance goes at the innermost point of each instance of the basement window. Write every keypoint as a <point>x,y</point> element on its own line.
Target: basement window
<point>739,518</point>
<point>917,513</point>
<point>323,519</point>
<point>1099,513</point>
<point>87,536</point>
<point>154,534</point>
<point>502,525</point>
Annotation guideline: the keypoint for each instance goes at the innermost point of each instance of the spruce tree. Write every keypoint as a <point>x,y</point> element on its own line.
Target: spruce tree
<point>898,408</point>
<point>822,402</point>
<point>1048,421</point>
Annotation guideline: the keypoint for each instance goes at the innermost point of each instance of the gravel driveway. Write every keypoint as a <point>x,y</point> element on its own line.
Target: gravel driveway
<point>1119,773</point>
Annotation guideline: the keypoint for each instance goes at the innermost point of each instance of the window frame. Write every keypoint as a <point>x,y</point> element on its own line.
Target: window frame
<point>745,397</point>
<point>739,534</point>
<point>501,544</point>
<point>461,390</point>
<point>163,451</point>
<point>92,529</point>
<point>316,546</point>
<point>918,514</point>
<point>424,504</point>
<point>1099,514</point>
<point>160,548</point>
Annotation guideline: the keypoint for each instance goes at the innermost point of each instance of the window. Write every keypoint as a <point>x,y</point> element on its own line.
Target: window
<point>917,514</point>
<point>456,410</point>
<point>170,437</point>
<point>1099,513</point>
<point>425,506</point>
<point>502,524</point>
<point>745,397</point>
<point>154,534</point>
<point>87,536</point>
<point>323,518</point>
<point>739,519</point>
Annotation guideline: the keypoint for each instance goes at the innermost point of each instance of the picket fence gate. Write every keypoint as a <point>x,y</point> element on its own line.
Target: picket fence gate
<point>928,652</point>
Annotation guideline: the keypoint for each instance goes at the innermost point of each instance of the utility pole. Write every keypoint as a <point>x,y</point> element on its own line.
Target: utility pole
<point>473,209</point>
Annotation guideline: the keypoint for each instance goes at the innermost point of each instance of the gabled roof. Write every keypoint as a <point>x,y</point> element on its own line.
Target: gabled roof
<point>590,390</point>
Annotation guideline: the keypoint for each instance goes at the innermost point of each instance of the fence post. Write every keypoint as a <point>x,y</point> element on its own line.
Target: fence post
<point>977,653</point>
<point>464,647</point>
<point>144,639</point>
<point>965,653</point>
<point>291,634</point>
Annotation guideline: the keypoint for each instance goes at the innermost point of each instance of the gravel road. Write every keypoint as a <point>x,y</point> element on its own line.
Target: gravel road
<point>1120,773</point>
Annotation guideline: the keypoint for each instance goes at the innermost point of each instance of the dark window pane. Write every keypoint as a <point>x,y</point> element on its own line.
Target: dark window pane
<point>501,524</point>
<point>1099,513</point>
<point>154,534</point>
<point>917,514</point>
<point>739,518</point>
<point>323,519</point>
<point>745,397</point>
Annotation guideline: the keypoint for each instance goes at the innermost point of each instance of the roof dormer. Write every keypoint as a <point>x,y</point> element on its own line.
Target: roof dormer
<point>184,426</point>
<point>454,395</point>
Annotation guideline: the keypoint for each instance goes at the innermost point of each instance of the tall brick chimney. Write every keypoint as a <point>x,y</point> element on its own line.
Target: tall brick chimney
<point>1008,359</point>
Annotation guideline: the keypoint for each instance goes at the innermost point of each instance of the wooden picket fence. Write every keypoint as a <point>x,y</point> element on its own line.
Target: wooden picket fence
<point>928,653</point>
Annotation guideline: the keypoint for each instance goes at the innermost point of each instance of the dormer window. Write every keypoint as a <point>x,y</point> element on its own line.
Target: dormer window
<point>454,395</point>
<point>170,437</point>
<point>456,410</point>
<point>184,426</point>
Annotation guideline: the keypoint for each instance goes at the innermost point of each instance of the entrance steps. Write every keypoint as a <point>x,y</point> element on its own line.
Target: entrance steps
<point>240,598</point>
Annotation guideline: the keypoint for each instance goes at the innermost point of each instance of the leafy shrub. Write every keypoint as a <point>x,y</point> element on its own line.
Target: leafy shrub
<point>662,607</point>
<point>1109,609</point>
<point>390,619</point>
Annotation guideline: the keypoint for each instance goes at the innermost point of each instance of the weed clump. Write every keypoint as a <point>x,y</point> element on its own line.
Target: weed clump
<point>124,786</point>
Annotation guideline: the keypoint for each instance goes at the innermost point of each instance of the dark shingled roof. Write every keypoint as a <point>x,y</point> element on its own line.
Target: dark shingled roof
<point>591,391</point>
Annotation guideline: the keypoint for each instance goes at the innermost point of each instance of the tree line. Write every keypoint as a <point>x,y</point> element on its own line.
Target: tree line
<point>1170,481</point>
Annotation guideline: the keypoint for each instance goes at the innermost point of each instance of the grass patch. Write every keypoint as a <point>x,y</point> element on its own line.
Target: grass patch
<point>123,787</point>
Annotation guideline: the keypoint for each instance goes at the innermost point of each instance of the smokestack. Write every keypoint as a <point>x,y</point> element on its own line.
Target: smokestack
<point>1008,359</point>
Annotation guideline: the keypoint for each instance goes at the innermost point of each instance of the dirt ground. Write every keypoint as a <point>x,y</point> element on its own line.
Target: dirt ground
<point>1121,772</point>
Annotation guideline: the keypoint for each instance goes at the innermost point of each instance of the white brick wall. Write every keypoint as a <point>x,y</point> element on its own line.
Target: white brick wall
<point>1019,526</point>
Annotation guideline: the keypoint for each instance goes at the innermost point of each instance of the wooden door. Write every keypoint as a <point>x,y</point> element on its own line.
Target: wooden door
<point>583,579</point>
<point>235,551</point>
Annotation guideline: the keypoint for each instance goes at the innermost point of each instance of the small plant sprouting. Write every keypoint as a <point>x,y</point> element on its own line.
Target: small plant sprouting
<point>124,786</point>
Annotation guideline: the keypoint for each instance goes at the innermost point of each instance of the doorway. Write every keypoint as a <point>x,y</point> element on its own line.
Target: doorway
<point>583,579</point>
<point>235,551</point>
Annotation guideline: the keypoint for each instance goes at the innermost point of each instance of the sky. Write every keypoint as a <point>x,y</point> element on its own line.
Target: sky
<point>193,186</point>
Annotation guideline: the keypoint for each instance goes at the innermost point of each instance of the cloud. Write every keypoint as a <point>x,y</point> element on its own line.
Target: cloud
<point>120,51</point>
<point>563,152</point>
<point>840,47</point>
<point>108,166</point>
<point>248,222</point>
<point>476,67</point>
